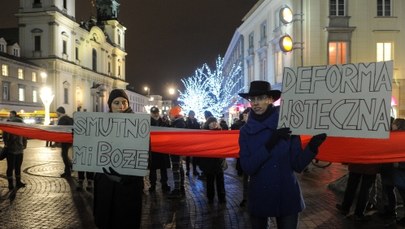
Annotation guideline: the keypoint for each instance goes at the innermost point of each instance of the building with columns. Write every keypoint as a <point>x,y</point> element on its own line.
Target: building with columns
<point>324,33</point>
<point>84,61</point>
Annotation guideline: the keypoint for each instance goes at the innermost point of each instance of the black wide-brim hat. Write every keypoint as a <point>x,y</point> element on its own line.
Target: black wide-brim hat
<point>258,88</point>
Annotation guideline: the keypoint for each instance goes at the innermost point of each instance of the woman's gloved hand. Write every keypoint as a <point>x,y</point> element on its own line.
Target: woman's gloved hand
<point>282,133</point>
<point>316,141</point>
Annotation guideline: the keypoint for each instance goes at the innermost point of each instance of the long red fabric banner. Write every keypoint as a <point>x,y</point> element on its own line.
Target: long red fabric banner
<point>203,143</point>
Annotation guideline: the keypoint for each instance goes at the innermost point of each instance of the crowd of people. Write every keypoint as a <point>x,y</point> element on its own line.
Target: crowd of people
<point>268,160</point>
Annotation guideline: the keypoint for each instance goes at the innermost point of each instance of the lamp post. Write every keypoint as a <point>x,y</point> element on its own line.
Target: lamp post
<point>46,97</point>
<point>147,89</point>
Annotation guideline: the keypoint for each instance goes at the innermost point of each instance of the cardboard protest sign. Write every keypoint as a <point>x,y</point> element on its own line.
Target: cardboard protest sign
<point>350,100</point>
<point>116,140</point>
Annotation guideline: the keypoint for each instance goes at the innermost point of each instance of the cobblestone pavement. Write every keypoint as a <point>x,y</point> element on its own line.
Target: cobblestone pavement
<point>49,201</point>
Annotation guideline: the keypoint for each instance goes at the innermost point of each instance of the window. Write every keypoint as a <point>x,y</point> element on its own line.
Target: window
<point>66,95</point>
<point>37,43</point>
<point>77,53</point>
<point>20,74</point>
<point>64,4</point>
<point>384,51</point>
<point>251,40</point>
<point>119,71</point>
<point>278,67</point>
<point>119,38</point>
<point>263,69</point>
<point>64,48</point>
<point>34,95</point>
<point>383,8</point>
<point>94,60</point>
<point>16,52</point>
<point>109,67</point>
<point>34,77</point>
<point>4,70</point>
<point>21,93</point>
<point>2,48</point>
<point>6,91</point>
<point>263,32</point>
<point>337,8</point>
<point>338,53</point>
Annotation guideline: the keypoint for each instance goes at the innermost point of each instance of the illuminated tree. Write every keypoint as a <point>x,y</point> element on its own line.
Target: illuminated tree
<point>211,89</point>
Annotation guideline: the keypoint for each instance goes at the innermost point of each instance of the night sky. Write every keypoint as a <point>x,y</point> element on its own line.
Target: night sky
<point>166,40</point>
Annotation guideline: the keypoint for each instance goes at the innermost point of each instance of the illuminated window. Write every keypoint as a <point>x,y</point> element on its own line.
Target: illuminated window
<point>34,77</point>
<point>21,93</point>
<point>337,53</point>
<point>4,70</point>
<point>34,96</point>
<point>20,74</point>
<point>384,51</point>
<point>337,8</point>
<point>383,8</point>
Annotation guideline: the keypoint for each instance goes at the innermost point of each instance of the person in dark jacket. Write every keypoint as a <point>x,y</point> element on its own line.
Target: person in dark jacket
<point>118,198</point>
<point>64,119</point>
<point>192,123</point>
<point>15,145</point>
<point>158,160</point>
<point>177,121</point>
<point>271,156</point>
<point>236,126</point>
<point>213,169</point>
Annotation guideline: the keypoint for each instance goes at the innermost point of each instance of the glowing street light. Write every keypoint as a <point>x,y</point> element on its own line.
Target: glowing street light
<point>172,91</point>
<point>46,97</point>
<point>147,89</point>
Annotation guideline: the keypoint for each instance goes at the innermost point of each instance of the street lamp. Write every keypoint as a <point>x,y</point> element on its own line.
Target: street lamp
<point>46,97</point>
<point>43,76</point>
<point>172,91</point>
<point>147,89</point>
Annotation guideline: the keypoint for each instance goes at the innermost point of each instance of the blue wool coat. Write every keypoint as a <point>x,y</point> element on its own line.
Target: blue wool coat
<point>274,190</point>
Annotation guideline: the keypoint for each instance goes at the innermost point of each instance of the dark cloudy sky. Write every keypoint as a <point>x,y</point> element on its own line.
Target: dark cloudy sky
<point>166,40</point>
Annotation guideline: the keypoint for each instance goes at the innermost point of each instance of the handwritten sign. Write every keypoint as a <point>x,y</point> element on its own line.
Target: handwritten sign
<point>351,100</point>
<point>116,140</point>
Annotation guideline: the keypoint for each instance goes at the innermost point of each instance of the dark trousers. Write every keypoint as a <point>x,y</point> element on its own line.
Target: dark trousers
<point>14,162</point>
<point>65,157</point>
<point>217,180</point>
<point>283,222</point>
<point>350,192</point>
<point>85,175</point>
<point>178,172</point>
<point>153,177</point>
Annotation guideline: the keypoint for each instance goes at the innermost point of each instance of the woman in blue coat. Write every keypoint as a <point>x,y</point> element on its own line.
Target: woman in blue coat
<point>271,156</point>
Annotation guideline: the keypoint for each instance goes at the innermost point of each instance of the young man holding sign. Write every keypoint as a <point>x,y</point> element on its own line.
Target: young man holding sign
<point>271,156</point>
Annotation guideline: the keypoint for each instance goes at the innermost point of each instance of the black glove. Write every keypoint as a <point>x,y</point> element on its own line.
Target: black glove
<point>283,133</point>
<point>316,141</point>
<point>112,175</point>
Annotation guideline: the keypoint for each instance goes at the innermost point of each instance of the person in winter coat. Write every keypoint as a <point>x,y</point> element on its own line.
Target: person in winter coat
<point>158,160</point>
<point>117,198</point>
<point>15,145</point>
<point>399,168</point>
<point>65,120</point>
<point>271,156</point>
<point>177,121</point>
<point>213,169</point>
<point>192,123</point>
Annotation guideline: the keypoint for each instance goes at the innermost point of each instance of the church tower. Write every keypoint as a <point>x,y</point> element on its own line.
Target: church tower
<point>107,9</point>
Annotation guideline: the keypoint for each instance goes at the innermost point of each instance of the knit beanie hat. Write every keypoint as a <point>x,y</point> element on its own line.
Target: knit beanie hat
<point>115,94</point>
<point>61,110</point>
<point>175,111</point>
